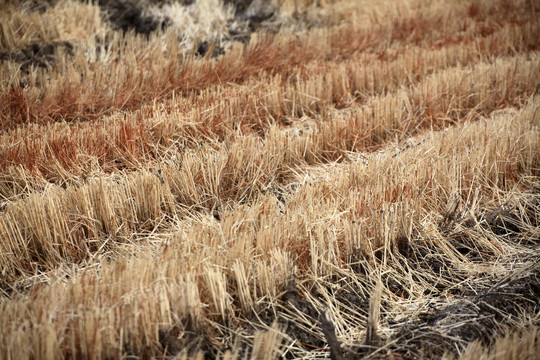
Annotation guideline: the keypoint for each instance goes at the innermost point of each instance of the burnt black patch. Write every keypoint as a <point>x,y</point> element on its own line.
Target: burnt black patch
<point>240,5</point>
<point>39,55</point>
<point>204,47</point>
<point>129,15</point>
<point>253,15</point>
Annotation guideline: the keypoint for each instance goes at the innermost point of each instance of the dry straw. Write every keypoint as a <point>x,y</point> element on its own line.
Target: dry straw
<point>344,191</point>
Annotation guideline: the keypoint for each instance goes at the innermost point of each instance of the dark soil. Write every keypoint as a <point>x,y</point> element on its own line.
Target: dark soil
<point>240,5</point>
<point>503,222</point>
<point>480,317</point>
<point>183,339</point>
<point>293,302</point>
<point>40,5</point>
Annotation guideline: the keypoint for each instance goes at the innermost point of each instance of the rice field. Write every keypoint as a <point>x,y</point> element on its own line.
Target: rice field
<point>269,179</point>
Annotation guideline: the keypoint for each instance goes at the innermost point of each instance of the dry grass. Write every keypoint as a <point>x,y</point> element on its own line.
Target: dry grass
<point>82,89</point>
<point>358,180</point>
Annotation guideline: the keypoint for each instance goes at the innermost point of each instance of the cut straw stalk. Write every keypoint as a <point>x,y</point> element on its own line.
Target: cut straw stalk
<point>172,278</point>
<point>70,225</point>
<point>439,100</point>
<point>208,178</point>
<point>229,174</point>
<point>140,298</point>
<point>483,157</point>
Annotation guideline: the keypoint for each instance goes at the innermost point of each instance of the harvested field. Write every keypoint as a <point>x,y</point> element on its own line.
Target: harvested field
<point>264,179</point>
